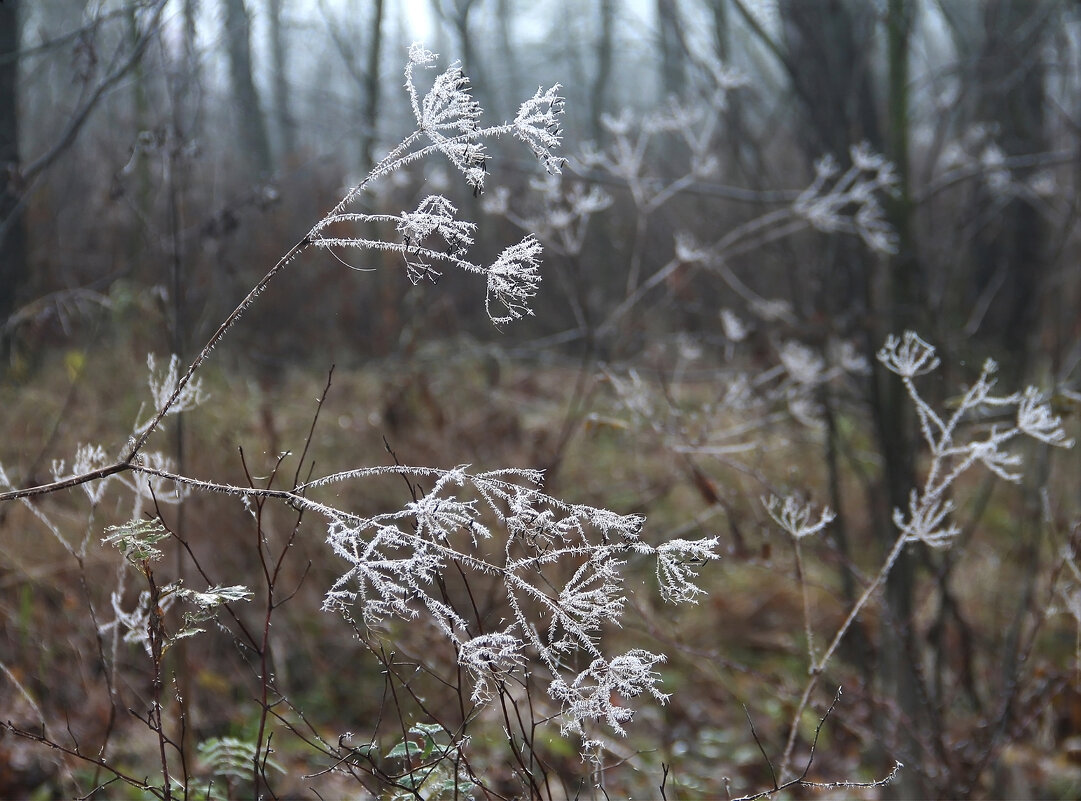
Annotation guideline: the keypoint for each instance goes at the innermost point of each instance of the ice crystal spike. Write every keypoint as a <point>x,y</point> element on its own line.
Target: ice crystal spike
<point>537,126</point>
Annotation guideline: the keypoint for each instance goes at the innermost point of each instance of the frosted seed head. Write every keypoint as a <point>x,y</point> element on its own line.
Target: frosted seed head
<point>1035,418</point>
<point>537,126</point>
<point>512,280</point>
<point>908,356</point>
<point>795,518</point>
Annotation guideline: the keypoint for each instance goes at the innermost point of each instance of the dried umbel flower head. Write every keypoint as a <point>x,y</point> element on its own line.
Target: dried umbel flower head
<point>849,201</point>
<point>795,517</point>
<point>908,356</point>
<point>513,280</point>
<point>431,236</point>
<point>561,569</point>
<point>537,126</point>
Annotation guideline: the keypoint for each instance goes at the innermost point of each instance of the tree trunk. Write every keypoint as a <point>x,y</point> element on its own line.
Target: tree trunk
<point>829,64</point>
<point>1008,258</point>
<point>746,158</point>
<point>456,14</point>
<point>252,126</point>
<point>139,267</point>
<point>371,88</point>
<point>670,41</point>
<point>510,82</point>
<point>13,268</point>
<point>893,419</point>
<point>599,90</point>
<point>285,123</point>
<point>189,78</point>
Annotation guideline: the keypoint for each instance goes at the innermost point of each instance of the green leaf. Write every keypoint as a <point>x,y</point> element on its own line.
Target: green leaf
<point>403,750</point>
<point>232,757</point>
<point>137,539</point>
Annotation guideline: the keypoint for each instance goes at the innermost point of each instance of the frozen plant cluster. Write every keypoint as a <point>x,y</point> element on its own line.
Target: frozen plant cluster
<point>749,405</point>
<point>565,209</point>
<point>977,153</point>
<point>972,434</point>
<point>137,540</point>
<point>796,518</point>
<point>848,201</point>
<point>952,452</point>
<point>431,236</point>
<point>560,568</point>
<point>976,432</point>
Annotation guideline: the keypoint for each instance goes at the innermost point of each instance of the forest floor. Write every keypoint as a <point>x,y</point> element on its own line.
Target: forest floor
<point>737,662</point>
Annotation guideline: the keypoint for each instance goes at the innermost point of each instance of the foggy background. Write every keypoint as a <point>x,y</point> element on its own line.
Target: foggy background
<point>166,151</point>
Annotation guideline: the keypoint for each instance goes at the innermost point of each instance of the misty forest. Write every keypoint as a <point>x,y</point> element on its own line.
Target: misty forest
<point>439,399</point>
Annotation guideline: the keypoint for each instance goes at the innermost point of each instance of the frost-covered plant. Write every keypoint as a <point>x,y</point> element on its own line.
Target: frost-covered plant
<point>431,236</point>
<point>976,153</point>
<point>926,519</point>
<point>745,404</point>
<point>848,201</point>
<point>560,567</point>
<point>563,214</point>
<point>971,434</point>
<point>138,541</point>
<point>796,518</point>
<point>448,119</point>
<point>164,385</point>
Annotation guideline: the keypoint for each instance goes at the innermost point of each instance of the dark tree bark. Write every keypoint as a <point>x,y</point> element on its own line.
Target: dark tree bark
<point>371,88</point>
<point>457,14</point>
<point>1009,262</point>
<point>673,50</point>
<point>12,233</point>
<point>829,46</point>
<point>252,126</point>
<point>599,90</point>
<point>746,157</point>
<point>280,80</point>
<point>826,51</point>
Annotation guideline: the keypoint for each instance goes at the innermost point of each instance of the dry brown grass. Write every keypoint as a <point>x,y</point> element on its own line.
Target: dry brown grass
<point>450,404</point>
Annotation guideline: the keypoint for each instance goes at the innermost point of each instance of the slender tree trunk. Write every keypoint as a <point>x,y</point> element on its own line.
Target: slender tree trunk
<point>372,76</point>
<point>670,33</point>
<point>139,267</point>
<point>189,78</point>
<point>509,79</point>
<point>893,417</point>
<point>830,68</point>
<point>252,126</point>
<point>283,117</point>
<point>1009,255</point>
<point>13,268</point>
<point>746,158</point>
<point>599,90</point>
